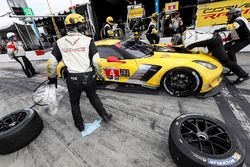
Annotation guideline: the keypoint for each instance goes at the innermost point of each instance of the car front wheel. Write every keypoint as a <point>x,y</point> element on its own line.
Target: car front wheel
<point>181,82</point>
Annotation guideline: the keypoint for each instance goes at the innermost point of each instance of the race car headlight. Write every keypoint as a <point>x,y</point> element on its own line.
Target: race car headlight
<point>206,64</point>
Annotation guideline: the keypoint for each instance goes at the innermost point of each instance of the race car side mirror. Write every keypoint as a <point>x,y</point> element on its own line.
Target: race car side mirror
<point>114,59</point>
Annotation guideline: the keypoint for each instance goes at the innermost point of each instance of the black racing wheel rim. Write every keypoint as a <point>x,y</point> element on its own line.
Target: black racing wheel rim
<point>11,121</point>
<point>181,82</point>
<point>206,136</point>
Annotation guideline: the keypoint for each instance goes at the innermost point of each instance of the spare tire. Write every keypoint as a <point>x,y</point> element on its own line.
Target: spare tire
<point>18,129</point>
<point>201,141</point>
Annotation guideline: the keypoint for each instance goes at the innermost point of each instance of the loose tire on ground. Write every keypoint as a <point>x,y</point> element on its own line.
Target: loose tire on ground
<point>200,141</point>
<point>18,129</point>
<point>181,82</point>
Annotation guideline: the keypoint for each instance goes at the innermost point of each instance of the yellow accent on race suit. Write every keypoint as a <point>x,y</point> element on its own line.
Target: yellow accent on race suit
<point>232,26</point>
<point>154,31</point>
<point>167,60</point>
<point>51,66</point>
<point>110,32</point>
<point>215,13</point>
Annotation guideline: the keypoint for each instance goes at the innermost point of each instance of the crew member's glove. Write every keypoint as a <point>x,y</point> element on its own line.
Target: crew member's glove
<point>219,30</point>
<point>111,32</point>
<point>154,31</point>
<point>52,81</point>
<point>216,31</point>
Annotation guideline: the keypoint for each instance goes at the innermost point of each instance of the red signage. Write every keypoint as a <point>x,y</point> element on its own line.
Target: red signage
<point>18,10</point>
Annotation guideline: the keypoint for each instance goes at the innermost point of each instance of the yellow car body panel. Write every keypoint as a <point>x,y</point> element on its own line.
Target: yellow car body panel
<point>107,42</point>
<point>127,71</point>
<point>111,71</point>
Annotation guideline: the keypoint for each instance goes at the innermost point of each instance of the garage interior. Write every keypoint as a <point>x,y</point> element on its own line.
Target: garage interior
<point>118,9</point>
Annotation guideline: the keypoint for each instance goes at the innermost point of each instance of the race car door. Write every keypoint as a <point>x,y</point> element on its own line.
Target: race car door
<point>114,66</point>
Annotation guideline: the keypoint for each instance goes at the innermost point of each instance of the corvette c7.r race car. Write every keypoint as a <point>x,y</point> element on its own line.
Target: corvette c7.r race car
<point>178,71</point>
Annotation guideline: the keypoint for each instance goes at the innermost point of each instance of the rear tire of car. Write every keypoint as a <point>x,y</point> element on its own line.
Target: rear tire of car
<point>196,140</point>
<point>182,82</point>
<point>18,129</point>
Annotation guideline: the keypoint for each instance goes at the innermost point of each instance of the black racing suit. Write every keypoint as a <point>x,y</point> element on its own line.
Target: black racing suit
<point>240,39</point>
<point>79,54</point>
<point>28,68</point>
<point>152,37</point>
<point>16,51</point>
<point>215,46</point>
<point>108,32</point>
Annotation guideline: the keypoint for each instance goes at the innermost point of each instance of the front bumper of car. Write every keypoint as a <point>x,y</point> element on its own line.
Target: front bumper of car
<point>213,92</point>
<point>210,84</point>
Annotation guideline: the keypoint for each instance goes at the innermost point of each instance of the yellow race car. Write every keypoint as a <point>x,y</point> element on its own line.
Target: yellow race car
<point>178,71</point>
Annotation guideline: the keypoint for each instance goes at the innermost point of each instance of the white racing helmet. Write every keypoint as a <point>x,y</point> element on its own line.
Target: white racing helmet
<point>10,34</point>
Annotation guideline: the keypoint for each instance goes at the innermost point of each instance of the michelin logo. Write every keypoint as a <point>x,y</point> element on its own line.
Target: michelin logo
<point>223,162</point>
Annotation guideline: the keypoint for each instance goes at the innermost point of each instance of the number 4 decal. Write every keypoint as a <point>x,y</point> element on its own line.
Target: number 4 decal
<point>112,73</point>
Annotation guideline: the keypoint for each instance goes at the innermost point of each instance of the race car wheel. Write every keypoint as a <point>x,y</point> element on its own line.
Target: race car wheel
<point>18,129</point>
<point>181,82</point>
<point>200,141</point>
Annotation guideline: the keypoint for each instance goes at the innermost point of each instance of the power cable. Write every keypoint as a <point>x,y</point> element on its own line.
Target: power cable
<point>5,14</point>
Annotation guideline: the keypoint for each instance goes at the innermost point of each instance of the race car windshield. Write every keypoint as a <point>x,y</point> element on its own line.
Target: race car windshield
<point>140,49</point>
<point>137,49</point>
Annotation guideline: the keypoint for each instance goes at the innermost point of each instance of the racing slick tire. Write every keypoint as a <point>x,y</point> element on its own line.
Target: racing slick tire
<point>182,82</point>
<point>18,129</point>
<point>201,141</point>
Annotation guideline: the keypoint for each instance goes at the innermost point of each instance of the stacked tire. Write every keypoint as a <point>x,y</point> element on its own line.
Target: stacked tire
<point>18,129</point>
<point>201,141</point>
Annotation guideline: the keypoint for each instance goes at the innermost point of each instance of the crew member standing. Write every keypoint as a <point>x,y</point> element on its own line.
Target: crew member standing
<point>239,36</point>
<point>15,51</point>
<point>79,54</point>
<point>108,28</point>
<point>152,33</point>
<point>176,24</point>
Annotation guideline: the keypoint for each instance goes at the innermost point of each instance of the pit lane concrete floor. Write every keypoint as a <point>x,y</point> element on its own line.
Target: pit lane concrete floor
<point>136,137</point>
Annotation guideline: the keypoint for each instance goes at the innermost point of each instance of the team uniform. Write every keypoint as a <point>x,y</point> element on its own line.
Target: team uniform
<point>108,31</point>
<point>152,32</point>
<point>79,54</point>
<point>240,37</point>
<point>16,51</point>
<point>215,46</point>
<point>176,25</point>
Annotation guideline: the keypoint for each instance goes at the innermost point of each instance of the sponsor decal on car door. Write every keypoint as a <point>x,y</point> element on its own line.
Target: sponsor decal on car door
<point>117,71</point>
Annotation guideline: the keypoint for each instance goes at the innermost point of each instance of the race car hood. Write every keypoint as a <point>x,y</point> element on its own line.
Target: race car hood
<point>191,56</point>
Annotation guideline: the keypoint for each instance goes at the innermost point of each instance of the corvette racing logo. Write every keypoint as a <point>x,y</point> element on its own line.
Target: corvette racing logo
<point>215,13</point>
